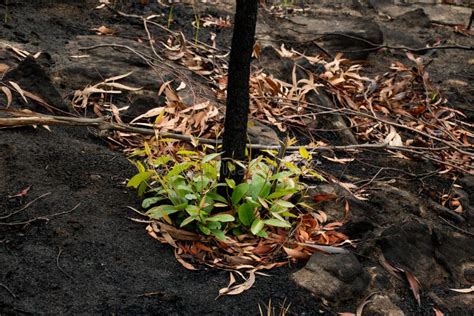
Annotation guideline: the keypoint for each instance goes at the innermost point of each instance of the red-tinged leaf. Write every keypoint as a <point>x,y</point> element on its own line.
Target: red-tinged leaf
<point>296,254</point>
<point>346,210</point>
<point>390,269</point>
<point>414,285</point>
<point>346,314</point>
<point>418,110</point>
<point>185,264</point>
<point>437,312</point>
<point>324,197</point>
<point>262,249</point>
<point>4,68</point>
<point>22,193</point>
<point>202,247</point>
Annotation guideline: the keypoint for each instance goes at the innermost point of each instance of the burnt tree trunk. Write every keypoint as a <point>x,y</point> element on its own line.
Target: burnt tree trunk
<point>237,109</point>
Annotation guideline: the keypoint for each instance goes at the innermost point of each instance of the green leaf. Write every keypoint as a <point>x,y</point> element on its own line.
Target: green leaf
<point>137,179</point>
<point>257,226</point>
<point>239,192</point>
<point>140,167</point>
<point>218,233</point>
<point>284,203</point>
<point>281,192</point>
<point>192,210</point>
<point>304,153</point>
<point>157,211</point>
<point>237,231</point>
<point>188,220</point>
<point>278,216</point>
<point>141,189</point>
<point>204,229</point>
<point>246,215</point>
<point>209,170</point>
<point>187,153</point>
<point>221,218</point>
<point>190,196</point>
<point>230,183</point>
<point>259,187</point>
<point>162,160</point>
<point>213,225</point>
<point>152,200</point>
<point>316,175</point>
<point>277,223</point>
<point>292,167</point>
<point>181,207</point>
<point>179,168</point>
<point>216,197</point>
<point>262,233</point>
<point>289,214</point>
<point>210,157</point>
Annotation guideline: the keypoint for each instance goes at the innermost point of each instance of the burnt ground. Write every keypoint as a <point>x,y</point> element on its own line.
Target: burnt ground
<point>94,260</point>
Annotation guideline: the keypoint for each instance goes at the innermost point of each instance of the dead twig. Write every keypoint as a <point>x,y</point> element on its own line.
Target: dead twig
<point>61,269</point>
<point>8,290</point>
<point>44,218</point>
<point>376,46</point>
<point>103,125</point>
<point>456,227</point>
<point>26,206</point>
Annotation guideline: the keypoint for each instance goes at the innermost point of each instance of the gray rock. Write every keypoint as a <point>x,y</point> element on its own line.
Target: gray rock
<point>260,133</point>
<point>335,278</point>
<point>381,305</point>
<point>32,78</point>
<point>409,246</point>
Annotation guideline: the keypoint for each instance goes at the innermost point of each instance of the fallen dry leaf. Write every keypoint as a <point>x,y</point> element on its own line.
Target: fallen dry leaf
<point>239,288</point>
<point>414,285</point>
<point>104,30</point>
<point>324,197</point>
<point>22,193</point>
<point>466,290</point>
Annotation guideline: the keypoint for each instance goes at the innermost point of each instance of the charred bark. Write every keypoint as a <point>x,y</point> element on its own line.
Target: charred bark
<point>237,109</point>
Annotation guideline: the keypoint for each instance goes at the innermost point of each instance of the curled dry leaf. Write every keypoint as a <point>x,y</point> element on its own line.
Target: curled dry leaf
<point>466,290</point>
<point>104,30</point>
<point>4,68</point>
<point>390,268</point>
<point>239,288</point>
<point>365,301</point>
<point>298,254</point>
<point>8,94</point>
<point>324,197</point>
<point>414,285</point>
<point>185,264</point>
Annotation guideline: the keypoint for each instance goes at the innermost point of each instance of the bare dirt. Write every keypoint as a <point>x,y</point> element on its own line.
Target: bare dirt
<point>95,260</point>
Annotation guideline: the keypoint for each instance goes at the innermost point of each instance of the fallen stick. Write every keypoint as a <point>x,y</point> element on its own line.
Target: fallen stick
<point>30,119</point>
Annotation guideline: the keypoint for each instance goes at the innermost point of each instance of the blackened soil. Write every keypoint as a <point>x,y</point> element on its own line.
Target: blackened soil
<point>95,260</point>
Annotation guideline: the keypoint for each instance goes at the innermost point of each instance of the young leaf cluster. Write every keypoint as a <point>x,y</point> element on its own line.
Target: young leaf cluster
<point>185,193</point>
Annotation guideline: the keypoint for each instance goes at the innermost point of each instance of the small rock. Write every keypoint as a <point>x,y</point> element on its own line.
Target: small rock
<point>335,278</point>
<point>409,246</point>
<point>32,78</point>
<point>261,134</point>
<point>381,305</point>
<point>416,18</point>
